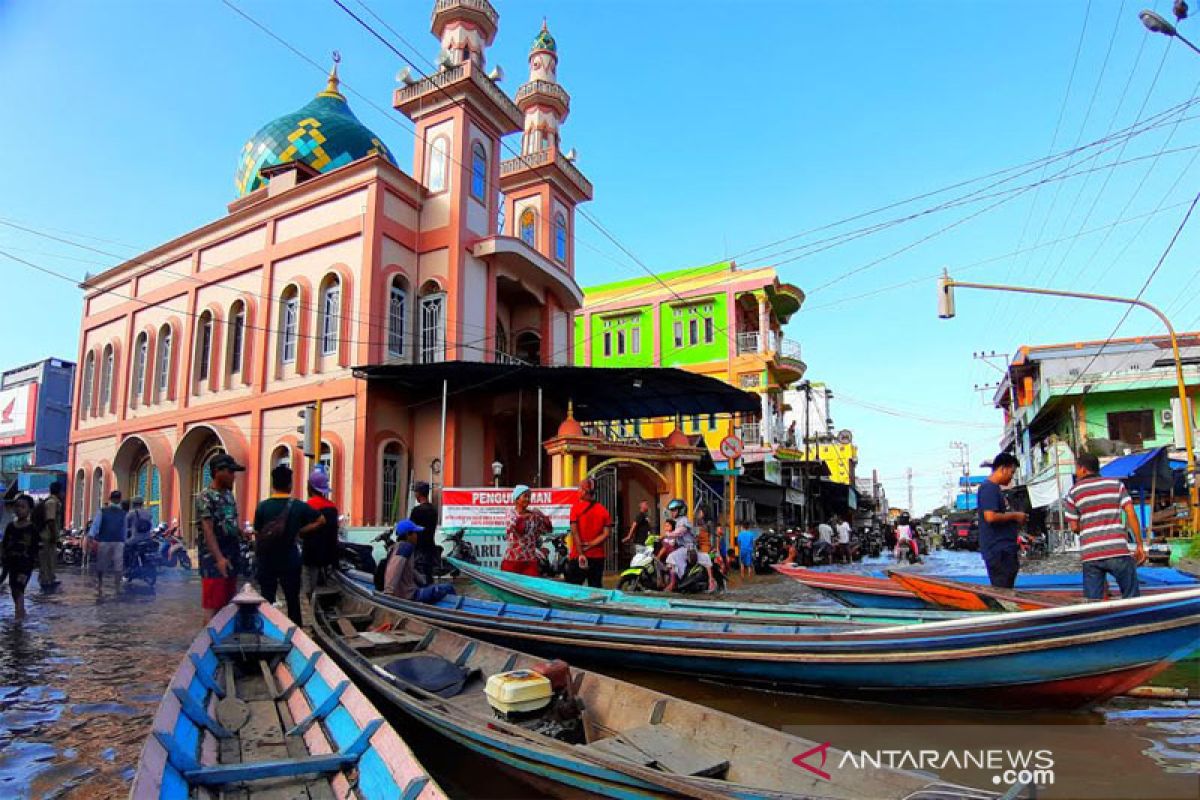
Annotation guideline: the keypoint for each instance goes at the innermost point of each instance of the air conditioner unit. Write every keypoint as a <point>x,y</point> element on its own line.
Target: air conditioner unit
<point>1166,416</point>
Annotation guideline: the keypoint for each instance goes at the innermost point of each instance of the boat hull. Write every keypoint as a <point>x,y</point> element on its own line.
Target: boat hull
<point>1062,658</point>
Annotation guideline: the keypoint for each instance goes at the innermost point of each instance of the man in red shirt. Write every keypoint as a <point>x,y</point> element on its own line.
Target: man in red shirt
<point>591,526</point>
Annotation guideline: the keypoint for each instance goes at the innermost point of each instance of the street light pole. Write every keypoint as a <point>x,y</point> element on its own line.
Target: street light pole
<point>1157,24</point>
<point>947,285</point>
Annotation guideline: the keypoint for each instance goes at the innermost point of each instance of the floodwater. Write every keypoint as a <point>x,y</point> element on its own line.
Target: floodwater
<point>80,681</point>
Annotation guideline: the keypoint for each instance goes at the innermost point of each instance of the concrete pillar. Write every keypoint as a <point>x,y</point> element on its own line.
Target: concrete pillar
<point>583,468</point>
<point>764,324</point>
<point>568,470</point>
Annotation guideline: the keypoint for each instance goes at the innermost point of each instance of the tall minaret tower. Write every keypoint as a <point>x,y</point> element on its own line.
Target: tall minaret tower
<point>543,186</point>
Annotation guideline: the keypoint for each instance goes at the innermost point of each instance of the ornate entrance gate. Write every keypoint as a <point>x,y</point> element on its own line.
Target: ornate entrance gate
<point>606,495</point>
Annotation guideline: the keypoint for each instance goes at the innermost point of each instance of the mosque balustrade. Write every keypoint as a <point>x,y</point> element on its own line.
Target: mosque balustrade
<point>482,6</point>
<point>544,90</point>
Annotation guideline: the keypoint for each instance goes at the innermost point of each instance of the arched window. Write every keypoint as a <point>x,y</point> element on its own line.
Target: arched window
<point>397,317</point>
<point>141,352</point>
<point>106,379</point>
<point>289,325</point>
<point>237,336</point>
<point>97,491</point>
<point>78,501</point>
<point>204,335</point>
<point>281,456</point>
<point>165,342</point>
<point>146,484</point>
<point>433,323</point>
<point>391,473</point>
<point>528,227</point>
<point>331,305</point>
<point>325,461</point>
<point>560,237</point>
<point>89,380</point>
<point>479,172</point>
<point>435,175</point>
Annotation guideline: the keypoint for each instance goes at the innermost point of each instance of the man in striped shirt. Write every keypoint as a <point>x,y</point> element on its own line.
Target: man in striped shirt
<point>1094,506</point>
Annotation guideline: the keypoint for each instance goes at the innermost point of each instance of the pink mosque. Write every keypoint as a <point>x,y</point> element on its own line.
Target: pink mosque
<point>331,258</point>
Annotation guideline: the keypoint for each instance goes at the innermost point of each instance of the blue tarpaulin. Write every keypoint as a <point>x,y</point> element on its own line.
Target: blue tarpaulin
<point>1142,471</point>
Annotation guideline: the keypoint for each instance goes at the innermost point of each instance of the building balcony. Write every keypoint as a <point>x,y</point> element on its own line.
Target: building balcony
<point>747,343</point>
<point>752,433</point>
<point>451,86</point>
<point>478,11</point>
<point>543,165</point>
<point>532,269</point>
<point>544,93</point>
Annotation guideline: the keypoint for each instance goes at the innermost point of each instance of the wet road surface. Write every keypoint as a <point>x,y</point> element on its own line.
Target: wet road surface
<point>80,681</point>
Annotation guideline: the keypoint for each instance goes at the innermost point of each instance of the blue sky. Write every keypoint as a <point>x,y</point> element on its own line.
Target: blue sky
<point>709,129</point>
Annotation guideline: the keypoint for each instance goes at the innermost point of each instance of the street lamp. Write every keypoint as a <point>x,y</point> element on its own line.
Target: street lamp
<point>497,468</point>
<point>947,285</point>
<point>1157,24</point>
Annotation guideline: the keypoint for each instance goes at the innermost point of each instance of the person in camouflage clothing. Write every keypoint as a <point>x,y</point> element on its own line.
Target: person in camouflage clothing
<point>218,538</point>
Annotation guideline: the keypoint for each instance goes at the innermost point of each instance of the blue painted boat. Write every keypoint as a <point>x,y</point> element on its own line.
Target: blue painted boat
<point>256,709</point>
<point>1149,578</point>
<point>511,587</point>
<point>1068,657</point>
<point>589,732</point>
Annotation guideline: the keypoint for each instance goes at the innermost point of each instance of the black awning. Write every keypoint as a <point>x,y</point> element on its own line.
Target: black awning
<point>599,393</point>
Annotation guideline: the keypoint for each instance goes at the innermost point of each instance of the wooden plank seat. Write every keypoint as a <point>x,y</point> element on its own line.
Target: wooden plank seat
<point>661,748</point>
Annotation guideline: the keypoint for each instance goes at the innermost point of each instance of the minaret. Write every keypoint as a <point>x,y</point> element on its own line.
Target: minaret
<point>465,29</point>
<point>544,103</point>
<point>543,186</point>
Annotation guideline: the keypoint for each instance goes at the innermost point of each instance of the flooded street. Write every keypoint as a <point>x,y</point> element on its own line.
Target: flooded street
<point>80,681</point>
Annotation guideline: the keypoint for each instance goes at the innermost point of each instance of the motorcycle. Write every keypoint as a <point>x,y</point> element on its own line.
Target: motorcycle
<point>911,554</point>
<point>461,549</point>
<point>171,550</point>
<point>1033,545</point>
<point>644,572</point>
<point>70,548</point>
<point>141,561</point>
<point>552,557</point>
<point>696,578</point>
<point>247,560</point>
<point>770,548</point>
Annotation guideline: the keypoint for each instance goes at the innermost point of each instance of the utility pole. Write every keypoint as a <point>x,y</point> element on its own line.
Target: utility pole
<point>908,475</point>
<point>965,461</point>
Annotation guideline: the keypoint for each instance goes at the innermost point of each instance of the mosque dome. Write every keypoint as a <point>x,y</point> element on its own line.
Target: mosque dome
<point>324,134</point>
<point>544,41</point>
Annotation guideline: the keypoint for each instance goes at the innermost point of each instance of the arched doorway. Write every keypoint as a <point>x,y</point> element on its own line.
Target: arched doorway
<point>193,464</point>
<point>138,469</point>
<point>622,484</point>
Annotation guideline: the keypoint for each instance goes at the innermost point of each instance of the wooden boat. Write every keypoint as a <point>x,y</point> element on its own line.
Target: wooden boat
<point>876,590</point>
<point>257,710</point>
<point>855,590</point>
<point>516,588</point>
<point>958,596</point>
<point>597,734</point>
<point>1068,657</point>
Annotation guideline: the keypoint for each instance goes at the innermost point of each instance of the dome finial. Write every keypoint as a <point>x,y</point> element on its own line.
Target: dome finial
<point>544,41</point>
<point>331,87</point>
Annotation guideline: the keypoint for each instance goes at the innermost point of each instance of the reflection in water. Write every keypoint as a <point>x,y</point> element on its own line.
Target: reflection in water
<point>80,682</point>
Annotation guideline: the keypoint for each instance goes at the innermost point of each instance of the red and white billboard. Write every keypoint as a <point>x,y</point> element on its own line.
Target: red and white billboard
<point>483,514</point>
<point>18,410</point>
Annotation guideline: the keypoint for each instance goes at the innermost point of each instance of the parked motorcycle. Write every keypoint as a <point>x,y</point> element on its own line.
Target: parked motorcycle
<point>552,556</point>
<point>70,548</point>
<point>461,549</point>
<point>171,550</point>
<point>769,549</point>
<point>1033,545</point>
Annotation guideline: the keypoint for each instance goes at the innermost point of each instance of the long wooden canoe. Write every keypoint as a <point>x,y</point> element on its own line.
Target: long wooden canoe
<point>1068,657</point>
<point>876,590</point>
<point>958,596</point>
<point>627,741</point>
<point>257,710</point>
<point>510,586</point>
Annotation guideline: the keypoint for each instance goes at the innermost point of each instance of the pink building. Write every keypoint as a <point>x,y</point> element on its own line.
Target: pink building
<point>331,257</point>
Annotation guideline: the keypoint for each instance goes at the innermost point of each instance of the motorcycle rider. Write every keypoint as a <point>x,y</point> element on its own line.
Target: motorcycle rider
<point>906,536</point>
<point>681,548</point>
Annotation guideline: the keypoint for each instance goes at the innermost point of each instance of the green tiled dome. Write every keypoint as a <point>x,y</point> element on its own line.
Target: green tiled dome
<point>544,41</point>
<point>324,134</point>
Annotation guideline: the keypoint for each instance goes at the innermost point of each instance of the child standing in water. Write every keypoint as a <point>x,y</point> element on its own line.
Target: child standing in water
<point>19,551</point>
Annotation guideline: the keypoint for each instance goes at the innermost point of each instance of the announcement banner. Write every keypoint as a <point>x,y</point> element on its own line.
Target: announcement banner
<point>483,514</point>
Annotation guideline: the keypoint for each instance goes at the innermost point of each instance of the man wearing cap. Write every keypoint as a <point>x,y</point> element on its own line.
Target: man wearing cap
<point>400,577</point>
<point>425,516</point>
<point>318,550</point>
<point>138,523</point>
<point>218,539</point>
<point>108,531</point>
<point>591,526</point>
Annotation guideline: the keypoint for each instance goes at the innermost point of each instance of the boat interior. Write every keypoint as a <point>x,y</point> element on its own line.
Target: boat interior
<point>618,721</point>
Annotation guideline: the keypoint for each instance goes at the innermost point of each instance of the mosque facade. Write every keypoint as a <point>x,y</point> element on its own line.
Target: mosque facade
<point>330,258</point>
